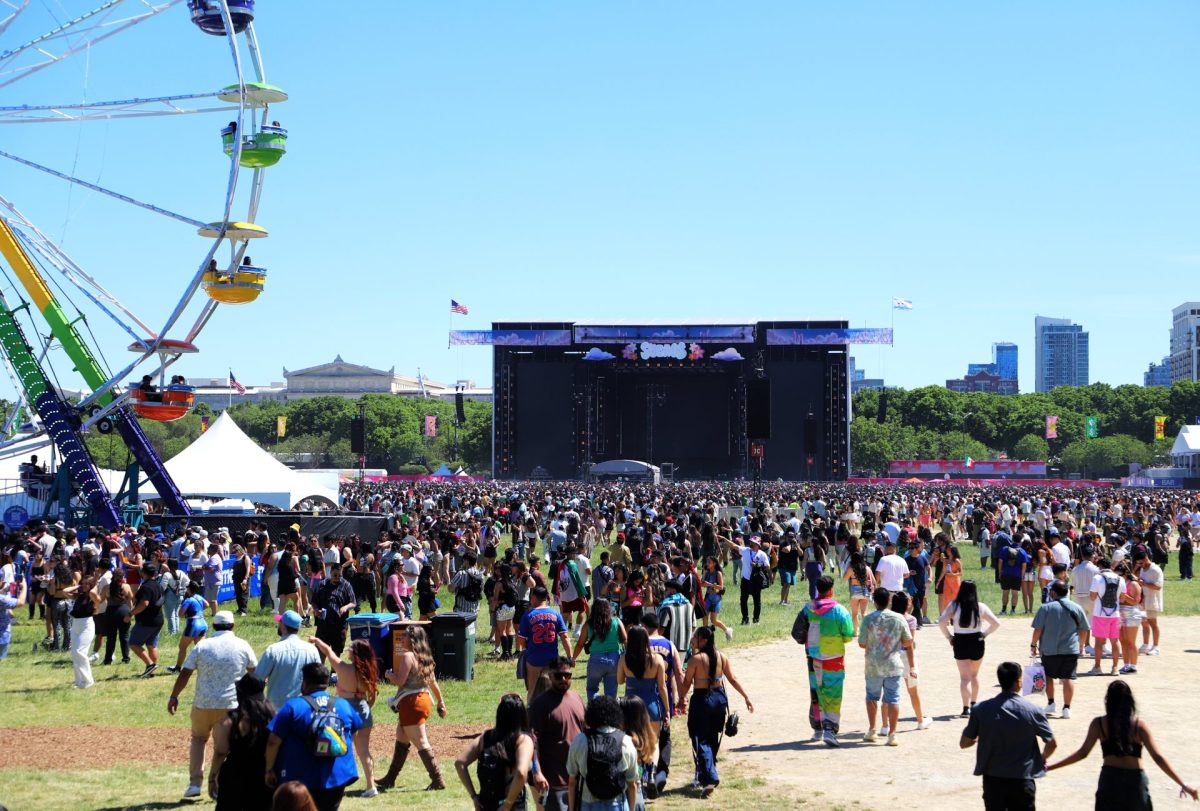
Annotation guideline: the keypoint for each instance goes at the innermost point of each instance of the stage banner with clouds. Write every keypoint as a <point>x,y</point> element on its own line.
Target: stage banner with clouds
<point>829,337</point>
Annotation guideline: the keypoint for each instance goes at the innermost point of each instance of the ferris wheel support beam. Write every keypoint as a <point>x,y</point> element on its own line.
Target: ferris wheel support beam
<point>17,8</point>
<point>122,197</point>
<point>82,41</point>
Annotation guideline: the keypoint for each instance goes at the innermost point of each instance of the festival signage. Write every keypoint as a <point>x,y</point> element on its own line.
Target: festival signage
<point>979,467</point>
<point>832,336</point>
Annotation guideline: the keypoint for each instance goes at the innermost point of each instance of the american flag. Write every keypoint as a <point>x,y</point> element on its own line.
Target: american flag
<point>455,307</point>
<point>235,385</point>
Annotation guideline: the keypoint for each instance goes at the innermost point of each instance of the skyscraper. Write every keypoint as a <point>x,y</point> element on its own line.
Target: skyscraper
<point>1185,348</point>
<point>1004,357</point>
<point>1158,374</point>
<point>1060,354</point>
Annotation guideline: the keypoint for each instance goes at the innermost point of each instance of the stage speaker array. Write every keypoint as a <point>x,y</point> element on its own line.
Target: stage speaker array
<point>459,414</point>
<point>358,435</point>
<point>758,409</point>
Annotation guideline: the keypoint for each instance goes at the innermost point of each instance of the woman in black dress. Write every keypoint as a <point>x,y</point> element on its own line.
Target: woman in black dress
<point>235,780</point>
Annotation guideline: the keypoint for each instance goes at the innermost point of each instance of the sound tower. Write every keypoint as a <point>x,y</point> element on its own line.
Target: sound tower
<point>882,417</point>
<point>758,409</point>
<point>460,416</point>
<point>358,435</point>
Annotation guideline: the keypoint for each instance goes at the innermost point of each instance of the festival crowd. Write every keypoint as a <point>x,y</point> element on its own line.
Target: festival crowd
<point>634,576</point>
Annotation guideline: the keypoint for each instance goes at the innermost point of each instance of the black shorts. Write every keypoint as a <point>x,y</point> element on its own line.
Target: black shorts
<point>968,647</point>
<point>1060,667</point>
<point>1010,582</point>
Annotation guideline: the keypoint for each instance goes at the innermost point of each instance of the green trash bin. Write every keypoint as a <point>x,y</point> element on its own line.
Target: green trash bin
<point>453,637</point>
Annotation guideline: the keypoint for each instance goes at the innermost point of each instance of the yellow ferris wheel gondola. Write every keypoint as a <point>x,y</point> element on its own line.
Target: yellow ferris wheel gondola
<point>240,286</point>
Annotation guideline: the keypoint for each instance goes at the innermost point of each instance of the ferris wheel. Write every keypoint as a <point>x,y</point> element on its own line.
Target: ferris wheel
<point>37,275</point>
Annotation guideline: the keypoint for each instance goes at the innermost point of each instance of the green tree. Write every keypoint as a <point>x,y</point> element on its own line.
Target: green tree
<point>1031,447</point>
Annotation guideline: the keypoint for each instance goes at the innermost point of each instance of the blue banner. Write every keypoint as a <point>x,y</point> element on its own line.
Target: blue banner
<point>510,337</point>
<point>226,592</point>
<point>714,333</point>
<point>832,336</point>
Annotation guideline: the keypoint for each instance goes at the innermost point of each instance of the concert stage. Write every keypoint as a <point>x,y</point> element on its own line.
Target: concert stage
<point>703,399</point>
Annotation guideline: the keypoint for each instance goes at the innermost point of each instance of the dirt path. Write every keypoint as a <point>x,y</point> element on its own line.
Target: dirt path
<point>774,743</point>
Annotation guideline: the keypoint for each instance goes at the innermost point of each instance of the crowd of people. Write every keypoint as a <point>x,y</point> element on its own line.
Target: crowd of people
<point>632,575</point>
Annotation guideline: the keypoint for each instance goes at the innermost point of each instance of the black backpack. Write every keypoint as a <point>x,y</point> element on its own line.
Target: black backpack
<point>492,771</point>
<point>473,591</point>
<point>1108,600</point>
<point>605,776</point>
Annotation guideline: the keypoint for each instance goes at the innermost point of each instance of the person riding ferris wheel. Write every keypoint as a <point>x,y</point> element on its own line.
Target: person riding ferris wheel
<point>35,264</point>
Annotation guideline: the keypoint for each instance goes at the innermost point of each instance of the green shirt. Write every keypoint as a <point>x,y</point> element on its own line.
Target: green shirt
<point>1060,622</point>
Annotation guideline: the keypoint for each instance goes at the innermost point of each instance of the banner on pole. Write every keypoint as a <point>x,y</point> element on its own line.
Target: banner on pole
<point>281,426</point>
<point>1160,427</point>
<point>1091,427</point>
<point>1051,427</point>
<point>431,426</point>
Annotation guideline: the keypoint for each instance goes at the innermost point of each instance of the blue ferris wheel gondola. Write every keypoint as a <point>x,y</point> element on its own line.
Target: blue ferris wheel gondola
<point>206,15</point>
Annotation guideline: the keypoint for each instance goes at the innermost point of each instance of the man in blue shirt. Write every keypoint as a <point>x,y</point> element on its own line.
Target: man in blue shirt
<point>1013,562</point>
<point>290,754</point>
<point>541,631</point>
<point>918,564</point>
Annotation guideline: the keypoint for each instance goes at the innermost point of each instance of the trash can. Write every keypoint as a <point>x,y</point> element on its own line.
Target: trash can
<point>374,629</point>
<point>453,638</point>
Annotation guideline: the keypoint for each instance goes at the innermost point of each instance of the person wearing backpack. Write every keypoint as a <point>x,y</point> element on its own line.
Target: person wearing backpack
<point>504,758</point>
<point>1106,614</point>
<point>602,763</point>
<point>467,585</point>
<point>312,741</point>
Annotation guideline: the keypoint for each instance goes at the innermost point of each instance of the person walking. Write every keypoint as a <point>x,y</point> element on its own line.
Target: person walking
<point>1123,735</point>
<point>236,776</point>
<point>333,603</point>
<point>1056,629</point>
<point>83,630</point>
<point>1150,575</point>
<point>602,638</point>
<point>644,674</point>
<point>714,589</point>
<point>505,757</point>
<point>1007,729</point>
<point>541,632</point>
<point>755,566</point>
<point>357,683</point>
<point>218,663</point>
<point>606,750</point>
<point>1131,614</point>
<point>861,580</point>
<point>707,672</point>
<point>887,641</point>
<point>902,604</point>
<point>148,621</point>
<point>117,612</point>
<point>823,627</point>
<point>282,663</point>
<point>416,680</point>
<point>555,718</point>
<point>194,625</point>
<point>292,753</point>
<point>962,623</point>
<point>1105,591</point>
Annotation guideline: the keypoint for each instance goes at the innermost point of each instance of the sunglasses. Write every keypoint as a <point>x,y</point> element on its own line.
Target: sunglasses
<point>563,675</point>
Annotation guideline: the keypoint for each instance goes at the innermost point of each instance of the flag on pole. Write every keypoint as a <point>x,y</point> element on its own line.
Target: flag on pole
<point>203,424</point>
<point>968,463</point>
<point>1051,427</point>
<point>901,304</point>
<point>1091,427</point>
<point>1160,427</point>
<point>235,385</point>
<point>281,426</point>
<point>455,307</point>
<point>430,426</point>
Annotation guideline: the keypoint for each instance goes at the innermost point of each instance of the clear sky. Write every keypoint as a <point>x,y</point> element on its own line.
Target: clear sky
<point>989,162</point>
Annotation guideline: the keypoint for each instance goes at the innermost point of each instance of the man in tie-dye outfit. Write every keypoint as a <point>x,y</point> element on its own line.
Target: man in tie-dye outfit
<point>824,627</point>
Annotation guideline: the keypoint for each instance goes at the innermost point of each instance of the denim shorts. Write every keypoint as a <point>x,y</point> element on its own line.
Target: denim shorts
<point>712,603</point>
<point>888,685</point>
<point>787,578</point>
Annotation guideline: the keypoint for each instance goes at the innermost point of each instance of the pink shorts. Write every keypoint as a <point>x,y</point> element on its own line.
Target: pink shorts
<point>1106,627</point>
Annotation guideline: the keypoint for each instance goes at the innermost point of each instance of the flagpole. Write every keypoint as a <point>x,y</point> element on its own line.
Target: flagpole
<point>229,385</point>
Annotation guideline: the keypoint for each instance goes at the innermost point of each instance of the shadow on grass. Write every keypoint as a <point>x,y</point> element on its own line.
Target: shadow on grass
<point>148,806</point>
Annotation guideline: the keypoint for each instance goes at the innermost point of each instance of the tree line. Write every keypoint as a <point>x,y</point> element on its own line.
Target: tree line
<point>935,423</point>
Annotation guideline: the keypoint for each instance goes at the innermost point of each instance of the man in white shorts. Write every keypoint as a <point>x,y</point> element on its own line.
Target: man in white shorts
<point>1151,577</point>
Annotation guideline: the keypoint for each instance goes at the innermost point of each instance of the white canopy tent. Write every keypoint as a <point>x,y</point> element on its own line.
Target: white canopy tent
<point>225,463</point>
<point>1185,453</point>
<point>627,469</point>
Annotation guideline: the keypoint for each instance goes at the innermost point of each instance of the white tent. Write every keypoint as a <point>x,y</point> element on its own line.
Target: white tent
<point>225,463</point>
<point>628,469</point>
<point>1185,453</point>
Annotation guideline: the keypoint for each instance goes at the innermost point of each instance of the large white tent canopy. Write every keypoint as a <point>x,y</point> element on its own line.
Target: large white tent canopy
<point>225,463</point>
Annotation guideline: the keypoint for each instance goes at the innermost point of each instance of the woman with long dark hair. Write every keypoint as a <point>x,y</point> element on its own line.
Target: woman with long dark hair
<point>358,683</point>
<point>239,762</point>
<point>861,580</point>
<point>643,673</point>
<point>634,599</point>
<point>504,608</point>
<point>507,746</point>
<point>116,618</point>
<point>962,624</point>
<point>1130,611</point>
<point>706,675</point>
<point>601,637</point>
<point>416,680</point>
<point>427,586</point>
<point>60,594</point>
<point>644,735</point>
<point>714,586</point>
<point>1122,735</point>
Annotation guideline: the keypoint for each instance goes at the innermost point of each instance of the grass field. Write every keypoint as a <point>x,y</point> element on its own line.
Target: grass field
<point>35,691</point>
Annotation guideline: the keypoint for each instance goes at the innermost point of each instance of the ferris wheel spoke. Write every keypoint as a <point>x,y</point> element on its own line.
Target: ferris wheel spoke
<point>74,36</point>
<point>16,9</point>
<point>117,195</point>
<point>108,110</point>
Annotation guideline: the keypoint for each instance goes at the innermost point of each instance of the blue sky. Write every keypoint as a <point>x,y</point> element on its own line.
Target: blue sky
<point>989,162</point>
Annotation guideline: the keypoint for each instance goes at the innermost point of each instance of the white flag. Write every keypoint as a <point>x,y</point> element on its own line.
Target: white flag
<point>901,304</point>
